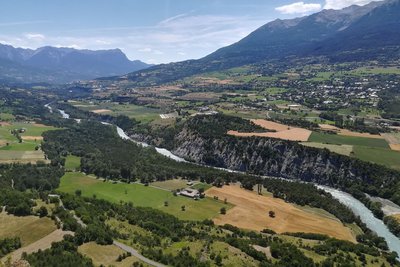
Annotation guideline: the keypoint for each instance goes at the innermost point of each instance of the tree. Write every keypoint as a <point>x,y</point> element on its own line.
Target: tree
<point>165,203</point>
<point>43,211</point>
<point>183,207</point>
<point>78,192</point>
<point>223,210</point>
<point>218,260</point>
<point>271,214</point>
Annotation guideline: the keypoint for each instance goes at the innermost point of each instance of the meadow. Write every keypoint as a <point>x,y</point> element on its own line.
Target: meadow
<point>107,255</point>
<point>144,196</point>
<point>11,150</point>
<point>141,113</point>
<point>340,149</point>
<point>28,228</point>
<point>389,158</point>
<point>326,138</point>
<point>72,163</point>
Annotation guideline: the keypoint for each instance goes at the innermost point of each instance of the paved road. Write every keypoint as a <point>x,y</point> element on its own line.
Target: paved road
<point>135,253</point>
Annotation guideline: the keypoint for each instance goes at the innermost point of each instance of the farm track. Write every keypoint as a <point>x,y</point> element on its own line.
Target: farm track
<point>43,243</point>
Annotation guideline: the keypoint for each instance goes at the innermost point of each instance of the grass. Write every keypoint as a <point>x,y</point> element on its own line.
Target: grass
<point>387,157</point>
<point>141,113</point>
<point>141,195</point>
<point>347,140</point>
<point>340,149</point>
<point>201,185</point>
<point>24,146</point>
<point>6,117</point>
<point>72,163</point>
<point>275,90</point>
<point>30,130</point>
<point>171,184</point>
<point>232,256</point>
<point>28,228</point>
<point>106,255</point>
<point>375,70</point>
<point>21,156</point>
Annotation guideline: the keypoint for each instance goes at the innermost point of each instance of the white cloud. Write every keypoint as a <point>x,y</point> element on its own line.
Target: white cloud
<point>35,36</point>
<point>180,37</point>
<point>299,8</point>
<point>146,49</point>
<point>339,4</point>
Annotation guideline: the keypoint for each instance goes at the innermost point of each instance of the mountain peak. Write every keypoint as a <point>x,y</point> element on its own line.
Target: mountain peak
<point>72,63</point>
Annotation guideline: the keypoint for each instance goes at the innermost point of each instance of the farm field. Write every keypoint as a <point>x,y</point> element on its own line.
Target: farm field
<point>141,195</point>
<point>171,185</point>
<point>141,113</point>
<point>387,157</point>
<point>340,149</point>
<point>393,139</point>
<point>32,136</point>
<point>251,212</point>
<point>346,132</point>
<point>106,255</point>
<point>347,140</point>
<point>282,131</point>
<point>28,228</point>
<point>41,244</point>
<point>294,134</point>
<point>11,156</point>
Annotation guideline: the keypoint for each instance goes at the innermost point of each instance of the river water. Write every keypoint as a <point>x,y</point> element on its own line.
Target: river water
<point>366,216</point>
<point>355,205</point>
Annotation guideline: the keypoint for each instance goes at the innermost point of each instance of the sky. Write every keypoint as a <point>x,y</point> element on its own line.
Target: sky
<point>154,31</point>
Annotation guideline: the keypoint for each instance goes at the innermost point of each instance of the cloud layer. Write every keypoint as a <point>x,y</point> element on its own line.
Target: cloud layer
<point>299,8</point>
<point>173,39</point>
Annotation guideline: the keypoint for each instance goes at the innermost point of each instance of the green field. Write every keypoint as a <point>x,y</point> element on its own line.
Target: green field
<point>141,113</point>
<point>141,195</point>
<point>347,140</point>
<point>21,156</point>
<point>375,70</point>
<point>72,163</point>
<point>171,185</point>
<point>30,130</point>
<point>340,149</point>
<point>387,157</point>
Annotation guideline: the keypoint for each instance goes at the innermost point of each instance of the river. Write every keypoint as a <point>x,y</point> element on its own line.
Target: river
<point>366,216</point>
<point>355,205</point>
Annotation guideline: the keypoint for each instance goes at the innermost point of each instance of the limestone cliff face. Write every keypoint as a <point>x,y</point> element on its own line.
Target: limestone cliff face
<point>271,157</point>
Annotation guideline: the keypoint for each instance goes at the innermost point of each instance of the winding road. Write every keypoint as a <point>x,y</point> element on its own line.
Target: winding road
<point>136,254</point>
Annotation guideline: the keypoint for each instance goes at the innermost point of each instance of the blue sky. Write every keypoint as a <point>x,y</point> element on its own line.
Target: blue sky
<point>155,31</point>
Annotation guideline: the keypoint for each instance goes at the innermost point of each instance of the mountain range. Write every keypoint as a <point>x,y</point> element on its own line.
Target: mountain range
<point>354,33</point>
<point>55,65</point>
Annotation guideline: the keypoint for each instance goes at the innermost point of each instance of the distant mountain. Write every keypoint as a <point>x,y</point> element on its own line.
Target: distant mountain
<point>353,33</point>
<point>51,64</point>
<point>281,38</point>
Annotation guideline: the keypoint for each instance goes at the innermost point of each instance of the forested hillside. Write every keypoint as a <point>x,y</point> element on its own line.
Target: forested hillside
<point>195,140</point>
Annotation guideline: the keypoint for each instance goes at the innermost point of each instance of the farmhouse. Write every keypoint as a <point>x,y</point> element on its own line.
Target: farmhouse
<point>189,192</point>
